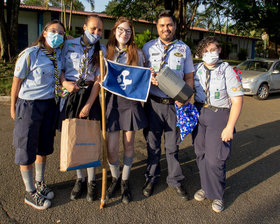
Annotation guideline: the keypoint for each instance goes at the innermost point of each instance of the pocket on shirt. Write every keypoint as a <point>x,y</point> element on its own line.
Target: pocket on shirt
<point>155,62</point>
<point>73,60</point>
<point>175,63</point>
<point>43,75</point>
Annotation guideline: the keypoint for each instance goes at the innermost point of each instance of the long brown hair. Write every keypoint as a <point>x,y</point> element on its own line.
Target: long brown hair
<point>132,54</point>
<point>41,38</point>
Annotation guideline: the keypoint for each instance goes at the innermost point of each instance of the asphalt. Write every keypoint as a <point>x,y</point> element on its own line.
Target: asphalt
<point>252,193</point>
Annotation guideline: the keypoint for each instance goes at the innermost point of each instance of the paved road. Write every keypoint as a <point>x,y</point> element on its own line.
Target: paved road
<point>252,193</point>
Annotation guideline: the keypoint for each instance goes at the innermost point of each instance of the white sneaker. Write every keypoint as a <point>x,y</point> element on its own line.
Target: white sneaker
<point>199,195</point>
<point>218,205</point>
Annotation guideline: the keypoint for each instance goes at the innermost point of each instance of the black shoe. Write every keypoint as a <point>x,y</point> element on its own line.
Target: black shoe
<point>181,192</point>
<point>78,189</point>
<point>126,194</point>
<point>92,191</point>
<point>114,186</point>
<point>148,188</point>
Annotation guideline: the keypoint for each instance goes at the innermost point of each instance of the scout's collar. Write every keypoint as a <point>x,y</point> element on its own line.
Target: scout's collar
<point>213,67</point>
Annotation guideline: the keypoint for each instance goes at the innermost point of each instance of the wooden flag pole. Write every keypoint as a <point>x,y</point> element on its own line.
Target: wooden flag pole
<point>104,139</point>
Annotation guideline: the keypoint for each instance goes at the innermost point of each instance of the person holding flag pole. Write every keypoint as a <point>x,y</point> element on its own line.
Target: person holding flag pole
<point>81,79</point>
<point>123,113</point>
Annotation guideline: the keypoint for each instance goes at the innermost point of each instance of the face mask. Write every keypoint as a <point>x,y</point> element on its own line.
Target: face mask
<point>92,38</point>
<point>54,39</point>
<point>210,58</point>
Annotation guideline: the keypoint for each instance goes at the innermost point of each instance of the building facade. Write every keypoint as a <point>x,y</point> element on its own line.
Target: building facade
<point>33,18</point>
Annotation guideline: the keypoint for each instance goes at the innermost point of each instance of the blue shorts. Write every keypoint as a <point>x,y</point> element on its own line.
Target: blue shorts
<point>34,131</point>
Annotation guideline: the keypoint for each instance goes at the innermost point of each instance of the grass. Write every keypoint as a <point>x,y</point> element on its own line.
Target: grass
<point>6,77</point>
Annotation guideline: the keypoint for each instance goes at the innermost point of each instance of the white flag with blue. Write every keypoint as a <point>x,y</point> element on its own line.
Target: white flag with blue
<point>131,82</point>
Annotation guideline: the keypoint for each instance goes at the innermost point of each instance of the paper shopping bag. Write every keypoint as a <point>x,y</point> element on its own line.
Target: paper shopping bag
<point>80,144</point>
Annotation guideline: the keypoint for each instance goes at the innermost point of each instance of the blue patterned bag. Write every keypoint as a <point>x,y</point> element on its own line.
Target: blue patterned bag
<point>187,118</point>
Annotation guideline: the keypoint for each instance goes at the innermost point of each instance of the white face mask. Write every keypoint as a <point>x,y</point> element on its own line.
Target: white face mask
<point>210,58</point>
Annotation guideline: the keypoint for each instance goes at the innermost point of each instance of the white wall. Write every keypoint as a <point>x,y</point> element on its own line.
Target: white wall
<point>31,19</point>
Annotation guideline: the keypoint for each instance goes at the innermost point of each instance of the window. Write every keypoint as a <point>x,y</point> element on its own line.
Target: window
<point>107,34</point>
<point>54,15</point>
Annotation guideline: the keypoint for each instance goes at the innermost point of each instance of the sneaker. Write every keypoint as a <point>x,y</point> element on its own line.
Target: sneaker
<point>199,195</point>
<point>218,205</point>
<point>126,194</point>
<point>78,189</point>
<point>114,186</point>
<point>37,200</point>
<point>92,191</point>
<point>43,190</point>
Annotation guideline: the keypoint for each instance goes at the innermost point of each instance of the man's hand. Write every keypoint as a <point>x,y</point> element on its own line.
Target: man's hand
<point>153,79</point>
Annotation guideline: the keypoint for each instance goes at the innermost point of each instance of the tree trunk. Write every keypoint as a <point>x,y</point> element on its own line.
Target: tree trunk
<point>70,15</point>
<point>9,29</point>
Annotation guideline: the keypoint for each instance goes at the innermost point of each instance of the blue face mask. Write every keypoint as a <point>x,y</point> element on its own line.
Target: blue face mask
<point>54,39</point>
<point>92,38</point>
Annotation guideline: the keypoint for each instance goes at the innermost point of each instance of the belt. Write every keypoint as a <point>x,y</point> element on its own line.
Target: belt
<point>210,107</point>
<point>162,100</point>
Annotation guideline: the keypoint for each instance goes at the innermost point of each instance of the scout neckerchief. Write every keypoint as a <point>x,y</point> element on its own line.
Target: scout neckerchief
<point>83,70</point>
<point>163,58</point>
<point>120,52</point>
<point>59,90</point>
<point>52,57</point>
<point>207,84</point>
<point>207,80</point>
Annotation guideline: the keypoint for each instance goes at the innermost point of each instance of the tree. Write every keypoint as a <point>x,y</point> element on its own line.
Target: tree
<point>149,9</point>
<point>259,15</point>
<point>9,29</point>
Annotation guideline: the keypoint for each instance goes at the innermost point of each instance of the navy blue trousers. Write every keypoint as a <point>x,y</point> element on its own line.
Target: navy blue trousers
<point>212,152</point>
<point>162,119</point>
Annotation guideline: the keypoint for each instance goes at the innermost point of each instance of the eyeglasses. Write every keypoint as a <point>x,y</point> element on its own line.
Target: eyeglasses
<point>56,31</point>
<point>121,30</point>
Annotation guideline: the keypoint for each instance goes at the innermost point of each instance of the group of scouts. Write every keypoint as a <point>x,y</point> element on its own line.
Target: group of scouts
<point>46,71</point>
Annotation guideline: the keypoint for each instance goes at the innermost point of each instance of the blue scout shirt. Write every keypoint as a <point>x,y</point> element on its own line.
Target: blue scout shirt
<point>224,84</point>
<point>37,70</point>
<point>179,59</point>
<point>72,55</point>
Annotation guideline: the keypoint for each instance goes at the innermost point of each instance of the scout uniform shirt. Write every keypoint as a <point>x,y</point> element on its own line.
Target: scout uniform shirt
<point>178,58</point>
<point>72,62</point>
<point>224,84</point>
<point>37,70</point>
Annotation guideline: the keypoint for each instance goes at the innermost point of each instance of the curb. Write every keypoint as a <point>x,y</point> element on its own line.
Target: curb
<point>5,98</point>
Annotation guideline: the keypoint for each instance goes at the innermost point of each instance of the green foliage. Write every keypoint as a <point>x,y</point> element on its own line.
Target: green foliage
<point>6,77</point>
<point>141,39</point>
<point>77,5</point>
<point>137,9</point>
<point>242,54</point>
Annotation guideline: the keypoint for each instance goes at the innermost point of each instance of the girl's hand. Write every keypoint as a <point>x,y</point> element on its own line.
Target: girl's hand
<point>85,111</point>
<point>71,86</point>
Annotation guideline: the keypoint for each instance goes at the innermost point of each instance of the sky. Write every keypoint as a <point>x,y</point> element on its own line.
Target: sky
<point>99,5</point>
